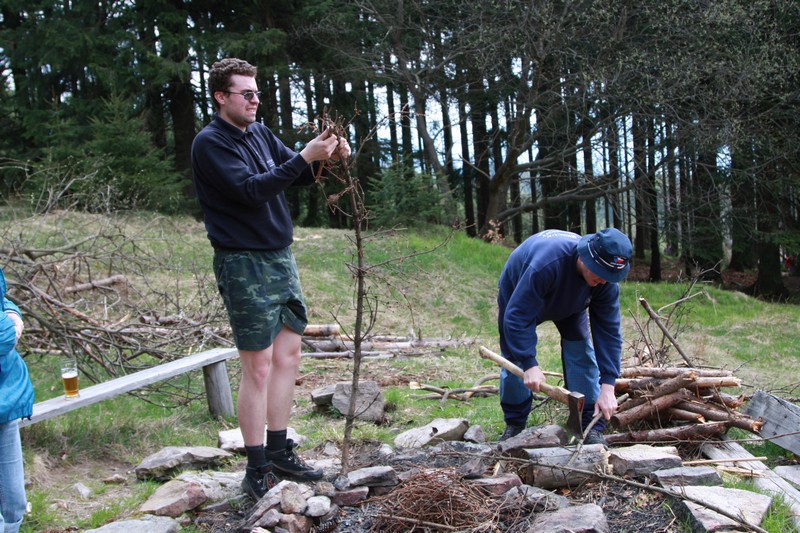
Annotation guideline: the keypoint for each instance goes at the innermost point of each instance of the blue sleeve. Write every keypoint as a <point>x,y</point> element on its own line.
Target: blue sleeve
<point>220,158</point>
<point>604,316</point>
<point>8,336</point>
<point>520,316</point>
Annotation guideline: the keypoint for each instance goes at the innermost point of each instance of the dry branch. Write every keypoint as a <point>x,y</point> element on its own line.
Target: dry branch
<point>649,409</point>
<point>688,433</point>
<point>664,329</point>
<point>662,389</point>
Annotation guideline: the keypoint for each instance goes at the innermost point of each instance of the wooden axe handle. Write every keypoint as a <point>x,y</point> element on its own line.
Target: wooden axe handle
<point>557,393</point>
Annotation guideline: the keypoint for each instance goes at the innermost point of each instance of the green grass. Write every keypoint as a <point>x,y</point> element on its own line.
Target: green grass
<point>432,283</point>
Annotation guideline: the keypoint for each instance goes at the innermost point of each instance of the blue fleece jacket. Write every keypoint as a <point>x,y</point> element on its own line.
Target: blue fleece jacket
<point>541,282</point>
<point>16,391</point>
<point>240,179</point>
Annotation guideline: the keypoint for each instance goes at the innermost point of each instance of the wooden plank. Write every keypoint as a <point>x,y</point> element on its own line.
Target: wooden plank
<point>780,418</point>
<point>766,479</point>
<point>109,389</point>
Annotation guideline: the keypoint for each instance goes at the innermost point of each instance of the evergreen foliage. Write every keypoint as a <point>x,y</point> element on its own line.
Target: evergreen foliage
<point>402,197</point>
<point>571,115</point>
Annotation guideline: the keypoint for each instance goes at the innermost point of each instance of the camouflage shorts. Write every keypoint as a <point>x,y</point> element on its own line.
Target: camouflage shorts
<point>262,293</point>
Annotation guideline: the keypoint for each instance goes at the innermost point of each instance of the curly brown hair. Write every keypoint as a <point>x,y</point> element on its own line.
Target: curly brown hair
<point>219,77</point>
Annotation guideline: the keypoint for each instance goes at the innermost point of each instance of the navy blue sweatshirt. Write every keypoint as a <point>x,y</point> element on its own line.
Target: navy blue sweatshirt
<point>541,282</point>
<point>240,178</point>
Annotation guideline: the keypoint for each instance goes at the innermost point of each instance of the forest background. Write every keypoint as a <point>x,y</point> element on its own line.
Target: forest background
<point>673,120</point>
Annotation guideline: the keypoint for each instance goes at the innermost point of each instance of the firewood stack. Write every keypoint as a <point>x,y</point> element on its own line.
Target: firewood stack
<point>677,404</point>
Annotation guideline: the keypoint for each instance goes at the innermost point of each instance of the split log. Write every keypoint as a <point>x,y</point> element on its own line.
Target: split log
<point>724,399</point>
<point>687,433</point>
<point>632,385</point>
<point>322,330</point>
<point>652,407</point>
<point>710,412</point>
<point>340,344</point>
<point>680,414</point>
<point>663,389</point>
<point>708,382</point>
<point>543,469</point>
<point>342,355</point>
<point>669,372</point>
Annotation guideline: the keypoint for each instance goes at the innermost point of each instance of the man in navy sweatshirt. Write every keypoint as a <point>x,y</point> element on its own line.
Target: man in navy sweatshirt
<point>559,276</point>
<point>241,170</point>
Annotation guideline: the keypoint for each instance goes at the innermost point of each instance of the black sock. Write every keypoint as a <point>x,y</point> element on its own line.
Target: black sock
<point>255,456</point>
<point>276,440</point>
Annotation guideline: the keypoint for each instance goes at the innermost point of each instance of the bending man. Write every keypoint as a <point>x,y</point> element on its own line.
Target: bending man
<point>573,282</point>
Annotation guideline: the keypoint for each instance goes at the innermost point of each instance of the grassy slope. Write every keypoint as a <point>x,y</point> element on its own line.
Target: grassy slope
<point>448,290</point>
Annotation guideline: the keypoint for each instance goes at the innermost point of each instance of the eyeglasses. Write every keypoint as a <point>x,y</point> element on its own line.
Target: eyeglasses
<point>247,95</point>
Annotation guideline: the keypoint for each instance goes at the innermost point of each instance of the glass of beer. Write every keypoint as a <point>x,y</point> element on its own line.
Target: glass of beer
<point>69,377</point>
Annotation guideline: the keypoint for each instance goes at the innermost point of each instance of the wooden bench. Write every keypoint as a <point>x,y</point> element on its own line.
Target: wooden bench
<point>215,375</point>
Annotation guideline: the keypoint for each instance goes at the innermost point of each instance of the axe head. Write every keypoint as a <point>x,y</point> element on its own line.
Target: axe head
<point>575,401</point>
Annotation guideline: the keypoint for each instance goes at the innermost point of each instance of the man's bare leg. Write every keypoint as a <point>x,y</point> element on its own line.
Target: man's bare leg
<point>252,413</point>
<point>281,379</point>
<point>251,405</point>
<point>280,396</point>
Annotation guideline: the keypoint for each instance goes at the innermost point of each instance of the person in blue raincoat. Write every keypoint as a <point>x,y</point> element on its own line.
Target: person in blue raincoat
<point>16,402</point>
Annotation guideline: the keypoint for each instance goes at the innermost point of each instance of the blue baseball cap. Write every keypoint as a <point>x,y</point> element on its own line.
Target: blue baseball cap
<point>607,254</point>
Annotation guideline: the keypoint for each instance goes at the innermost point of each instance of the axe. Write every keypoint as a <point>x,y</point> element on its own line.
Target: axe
<point>573,400</point>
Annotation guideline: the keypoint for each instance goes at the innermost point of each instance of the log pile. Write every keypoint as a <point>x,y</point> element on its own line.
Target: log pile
<point>327,342</point>
<point>677,404</point>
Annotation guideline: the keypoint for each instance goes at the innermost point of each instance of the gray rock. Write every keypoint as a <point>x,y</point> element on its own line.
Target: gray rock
<point>548,436</point>
<point>292,499</point>
<point>370,404</point>
<point>82,490</point>
<point>145,524</point>
<point>174,498</point>
<point>789,473</point>
<point>322,396</point>
<point>350,497</point>
<point>531,499</point>
<point>498,485</point>
<point>687,475</point>
<point>318,506</point>
<point>217,486</point>
<point>295,523</point>
<point>440,429</point>
<point>642,460</point>
<point>750,506</point>
<point>373,476</point>
<point>163,464</point>
<point>475,434</point>
<point>460,447</point>
<point>587,518</point>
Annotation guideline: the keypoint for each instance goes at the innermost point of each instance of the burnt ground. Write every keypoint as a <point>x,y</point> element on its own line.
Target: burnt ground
<point>628,509</point>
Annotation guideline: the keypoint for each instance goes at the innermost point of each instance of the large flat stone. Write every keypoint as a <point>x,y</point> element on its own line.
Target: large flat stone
<point>687,475</point>
<point>751,507</point>
<point>440,429</point>
<point>789,473</point>
<point>643,460</point>
<point>587,518</point>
